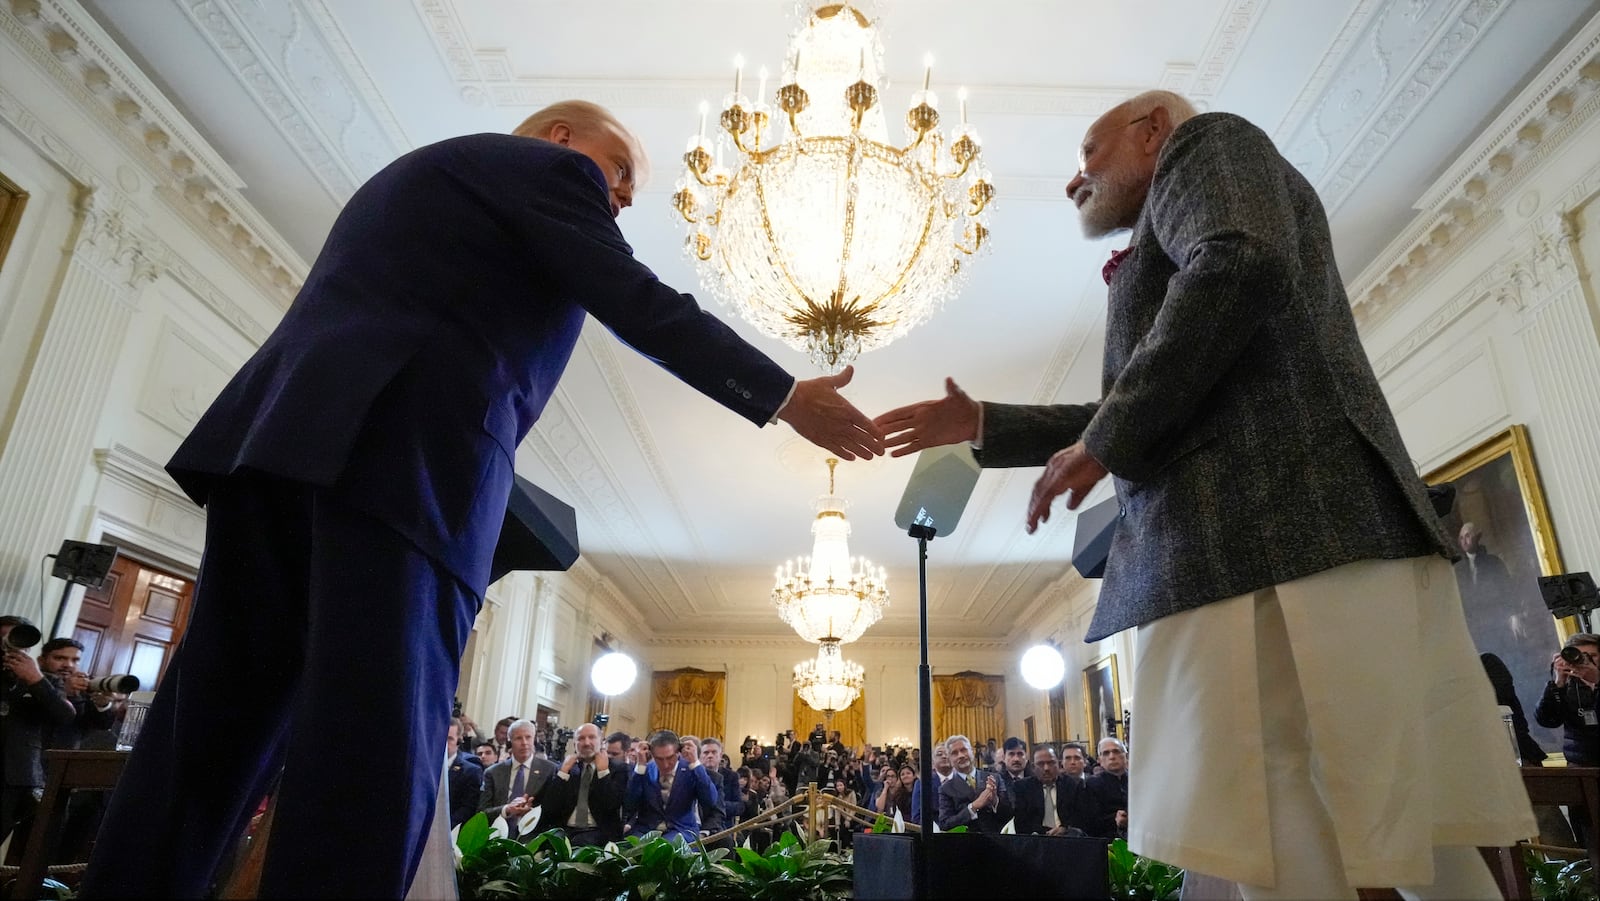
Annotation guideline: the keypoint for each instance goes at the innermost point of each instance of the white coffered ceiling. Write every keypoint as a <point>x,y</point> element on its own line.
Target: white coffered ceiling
<point>684,508</point>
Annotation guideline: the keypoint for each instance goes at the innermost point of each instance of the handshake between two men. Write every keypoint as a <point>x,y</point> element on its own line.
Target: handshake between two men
<point>820,414</point>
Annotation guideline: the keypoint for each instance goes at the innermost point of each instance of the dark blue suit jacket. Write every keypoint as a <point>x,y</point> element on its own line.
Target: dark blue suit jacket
<point>433,328</point>
<point>466,784</point>
<point>676,817</point>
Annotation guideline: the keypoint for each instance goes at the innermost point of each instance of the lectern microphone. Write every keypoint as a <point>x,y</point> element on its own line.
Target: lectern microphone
<point>940,485</point>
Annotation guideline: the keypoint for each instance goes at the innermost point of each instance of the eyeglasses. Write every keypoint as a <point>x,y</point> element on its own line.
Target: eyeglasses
<point>1135,121</point>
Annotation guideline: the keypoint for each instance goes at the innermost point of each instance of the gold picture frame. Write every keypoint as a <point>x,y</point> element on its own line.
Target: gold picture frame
<point>1100,684</point>
<point>12,200</point>
<point>1498,497</point>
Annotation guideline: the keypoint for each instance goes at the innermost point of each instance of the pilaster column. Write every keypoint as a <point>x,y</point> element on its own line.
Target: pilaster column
<point>50,447</point>
<point>1562,340</point>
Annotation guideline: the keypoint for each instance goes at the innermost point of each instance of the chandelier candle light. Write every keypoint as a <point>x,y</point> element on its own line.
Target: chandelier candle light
<point>829,683</point>
<point>828,596</point>
<point>827,237</point>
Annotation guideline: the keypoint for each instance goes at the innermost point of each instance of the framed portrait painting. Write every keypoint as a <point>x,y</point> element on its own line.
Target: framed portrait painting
<point>1501,525</point>
<point>1102,700</point>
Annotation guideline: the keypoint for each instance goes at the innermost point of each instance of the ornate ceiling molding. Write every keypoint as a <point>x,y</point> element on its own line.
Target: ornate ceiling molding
<point>1559,104</point>
<point>294,60</point>
<point>1383,66</point>
<point>154,250</point>
<point>70,49</point>
<point>564,444</point>
<point>485,76</point>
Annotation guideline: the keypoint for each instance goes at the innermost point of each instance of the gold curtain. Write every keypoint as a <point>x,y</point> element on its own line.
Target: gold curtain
<point>851,721</point>
<point>969,704</point>
<point>1058,712</point>
<point>689,702</point>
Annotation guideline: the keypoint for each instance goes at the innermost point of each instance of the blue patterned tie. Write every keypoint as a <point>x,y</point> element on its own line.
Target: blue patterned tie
<point>519,783</point>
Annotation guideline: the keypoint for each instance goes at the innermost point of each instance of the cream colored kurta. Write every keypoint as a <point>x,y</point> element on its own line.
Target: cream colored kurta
<point>1369,665</point>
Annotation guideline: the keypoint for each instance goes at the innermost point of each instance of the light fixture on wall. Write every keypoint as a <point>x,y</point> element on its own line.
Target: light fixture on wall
<point>829,683</point>
<point>828,595</point>
<point>828,237</point>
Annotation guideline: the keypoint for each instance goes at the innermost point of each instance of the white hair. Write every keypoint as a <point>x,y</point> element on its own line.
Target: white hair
<point>1178,107</point>
<point>521,724</point>
<point>1100,748</point>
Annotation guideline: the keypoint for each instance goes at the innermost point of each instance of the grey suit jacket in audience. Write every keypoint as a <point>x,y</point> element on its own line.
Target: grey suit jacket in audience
<point>497,781</point>
<point>1248,438</point>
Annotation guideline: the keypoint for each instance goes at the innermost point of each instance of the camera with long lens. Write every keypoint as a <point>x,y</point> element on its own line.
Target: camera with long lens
<point>1573,656</point>
<point>118,684</point>
<point>21,637</point>
<point>817,739</point>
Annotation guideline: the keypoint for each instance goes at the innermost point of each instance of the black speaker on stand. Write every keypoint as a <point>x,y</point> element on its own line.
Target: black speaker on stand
<point>79,563</point>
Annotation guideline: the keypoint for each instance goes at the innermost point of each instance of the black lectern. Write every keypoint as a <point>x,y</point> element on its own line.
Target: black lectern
<point>539,532</point>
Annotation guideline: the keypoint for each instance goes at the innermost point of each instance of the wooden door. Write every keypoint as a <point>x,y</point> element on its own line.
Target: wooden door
<point>134,621</point>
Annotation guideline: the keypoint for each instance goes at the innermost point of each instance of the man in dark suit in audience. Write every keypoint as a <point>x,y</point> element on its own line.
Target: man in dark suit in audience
<point>1013,763</point>
<point>516,784</point>
<point>465,774</point>
<point>726,814</point>
<point>585,798</point>
<point>971,797</point>
<point>1050,802</point>
<point>355,474</point>
<point>1110,790</point>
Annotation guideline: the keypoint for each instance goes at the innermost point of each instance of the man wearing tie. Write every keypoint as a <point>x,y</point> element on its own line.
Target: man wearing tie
<point>971,798</point>
<point>1051,802</point>
<point>664,789</point>
<point>513,786</point>
<point>585,801</point>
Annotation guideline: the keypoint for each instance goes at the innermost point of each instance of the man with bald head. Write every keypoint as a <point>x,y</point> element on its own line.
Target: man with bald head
<point>1305,679</point>
<point>586,802</point>
<point>356,472</point>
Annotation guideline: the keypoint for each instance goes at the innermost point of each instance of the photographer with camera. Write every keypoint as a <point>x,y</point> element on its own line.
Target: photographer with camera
<point>94,703</point>
<point>29,704</point>
<point>94,700</point>
<point>1569,699</point>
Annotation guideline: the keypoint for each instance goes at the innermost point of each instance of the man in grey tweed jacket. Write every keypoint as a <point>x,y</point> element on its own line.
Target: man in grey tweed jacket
<point>1251,449</point>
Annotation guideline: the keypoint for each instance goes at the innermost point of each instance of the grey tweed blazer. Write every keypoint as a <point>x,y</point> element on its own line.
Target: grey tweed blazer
<point>1249,441</point>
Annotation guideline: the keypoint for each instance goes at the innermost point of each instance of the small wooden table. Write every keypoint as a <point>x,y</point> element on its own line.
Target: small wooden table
<point>1572,786</point>
<point>64,771</point>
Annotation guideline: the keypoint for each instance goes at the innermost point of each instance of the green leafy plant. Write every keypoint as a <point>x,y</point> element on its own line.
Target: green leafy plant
<point>1138,878</point>
<point>790,870</point>
<point>648,868</point>
<point>1559,880</point>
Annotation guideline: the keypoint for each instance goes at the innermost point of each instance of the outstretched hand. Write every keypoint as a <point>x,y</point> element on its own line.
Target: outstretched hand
<point>930,423</point>
<point>1071,471</point>
<point>822,416</point>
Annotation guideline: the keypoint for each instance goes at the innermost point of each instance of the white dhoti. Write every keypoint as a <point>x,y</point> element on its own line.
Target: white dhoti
<point>1361,680</point>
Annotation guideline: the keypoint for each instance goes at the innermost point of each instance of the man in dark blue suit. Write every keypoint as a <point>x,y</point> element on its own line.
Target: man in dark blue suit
<point>663,792</point>
<point>356,472</point>
<point>465,776</point>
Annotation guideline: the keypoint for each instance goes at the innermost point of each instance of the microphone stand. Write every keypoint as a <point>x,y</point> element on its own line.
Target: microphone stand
<point>924,533</point>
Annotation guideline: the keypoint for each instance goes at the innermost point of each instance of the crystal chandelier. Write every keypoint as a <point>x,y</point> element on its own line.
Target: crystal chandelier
<point>829,683</point>
<point>828,596</point>
<point>828,237</point>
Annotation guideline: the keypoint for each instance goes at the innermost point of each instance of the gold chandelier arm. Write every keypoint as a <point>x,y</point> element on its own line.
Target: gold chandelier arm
<point>852,168</point>
<point>766,230</point>
<point>979,234</point>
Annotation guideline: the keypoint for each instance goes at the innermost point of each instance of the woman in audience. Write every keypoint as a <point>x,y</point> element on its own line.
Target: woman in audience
<point>899,793</point>
<point>843,826</point>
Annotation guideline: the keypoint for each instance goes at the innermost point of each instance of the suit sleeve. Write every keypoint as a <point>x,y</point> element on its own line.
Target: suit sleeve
<point>1223,213</point>
<point>705,789</point>
<point>1027,434</point>
<point>488,800</point>
<point>53,707</point>
<point>578,246</point>
<point>953,812</point>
